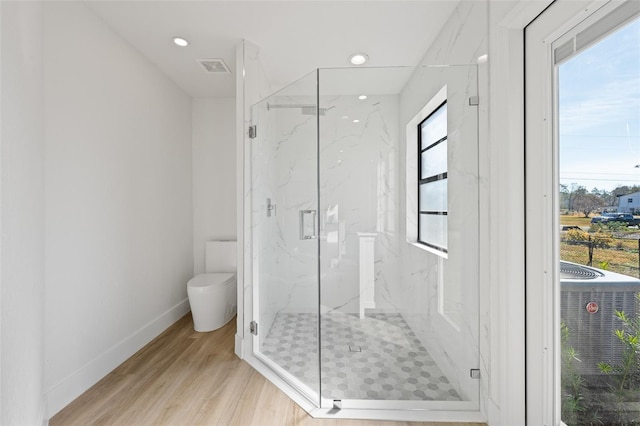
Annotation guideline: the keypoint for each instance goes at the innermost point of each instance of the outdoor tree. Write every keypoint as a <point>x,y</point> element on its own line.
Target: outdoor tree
<point>624,190</point>
<point>587,203</point>
<point>568,194</point>
<point>564,196</point>
<point>607,197</point>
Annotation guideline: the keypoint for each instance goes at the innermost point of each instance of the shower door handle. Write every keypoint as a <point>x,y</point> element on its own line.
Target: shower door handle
<point>307,230</point>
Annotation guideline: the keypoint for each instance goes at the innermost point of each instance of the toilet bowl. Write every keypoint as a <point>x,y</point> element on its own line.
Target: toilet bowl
<point>212,295</point>
<point>213,300</point>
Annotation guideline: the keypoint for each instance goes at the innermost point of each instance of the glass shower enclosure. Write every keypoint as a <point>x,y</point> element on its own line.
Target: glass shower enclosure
<point>350,309</point>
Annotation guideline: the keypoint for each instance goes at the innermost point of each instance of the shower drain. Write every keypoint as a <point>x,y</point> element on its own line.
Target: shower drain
<point>353,348</point>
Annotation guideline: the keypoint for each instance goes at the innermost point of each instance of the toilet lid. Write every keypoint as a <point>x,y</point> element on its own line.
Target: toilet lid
<point>210,280</point>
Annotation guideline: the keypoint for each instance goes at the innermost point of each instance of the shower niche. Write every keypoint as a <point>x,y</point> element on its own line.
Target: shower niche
<point>352,313</point>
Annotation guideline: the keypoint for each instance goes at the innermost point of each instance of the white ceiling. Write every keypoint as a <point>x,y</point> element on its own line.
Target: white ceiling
<point>295,37</point>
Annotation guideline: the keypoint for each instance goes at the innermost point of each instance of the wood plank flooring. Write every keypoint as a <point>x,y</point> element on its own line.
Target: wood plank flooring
<point>187,378</point>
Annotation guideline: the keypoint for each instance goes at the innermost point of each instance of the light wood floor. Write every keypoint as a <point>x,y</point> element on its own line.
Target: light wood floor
<point>188,378</point>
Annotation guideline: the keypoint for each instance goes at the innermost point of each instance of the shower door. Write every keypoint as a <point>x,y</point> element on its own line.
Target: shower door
<point>284,199</point>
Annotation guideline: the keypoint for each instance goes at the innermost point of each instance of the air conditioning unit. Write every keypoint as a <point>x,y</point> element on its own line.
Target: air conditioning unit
<point>589,298</point>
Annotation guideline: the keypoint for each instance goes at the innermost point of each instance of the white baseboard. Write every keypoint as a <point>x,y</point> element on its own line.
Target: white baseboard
<point>68,389</point>
<point>239,348</point>
<point>44,419</point>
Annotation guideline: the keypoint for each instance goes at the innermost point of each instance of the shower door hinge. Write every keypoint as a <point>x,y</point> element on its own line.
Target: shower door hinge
<point>253,131</point>
<point>474,101</point>
<point>474,373</point>
<point>253,328</point>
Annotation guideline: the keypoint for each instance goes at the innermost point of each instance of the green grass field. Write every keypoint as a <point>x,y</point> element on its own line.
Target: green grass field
<point>575,220</point>
<point>621,256</point>
<point>622,261</point>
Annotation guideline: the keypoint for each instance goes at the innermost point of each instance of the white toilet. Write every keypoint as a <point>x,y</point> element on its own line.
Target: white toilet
<point>212,295</point>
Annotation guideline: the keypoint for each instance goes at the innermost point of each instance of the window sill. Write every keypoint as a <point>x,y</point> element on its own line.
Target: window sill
<point>428,249</point>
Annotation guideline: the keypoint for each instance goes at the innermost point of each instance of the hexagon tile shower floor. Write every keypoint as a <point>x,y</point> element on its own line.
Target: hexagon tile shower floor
<point>377,357</point>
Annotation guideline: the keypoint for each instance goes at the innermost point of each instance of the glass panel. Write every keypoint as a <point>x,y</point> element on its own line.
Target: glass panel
<point>433,196</point>
<point>384,337</point>
<point>434,128</point>
<point>433,230</point>
<point>434,161</point>
<point>284,203</point>
<point>599,106</point>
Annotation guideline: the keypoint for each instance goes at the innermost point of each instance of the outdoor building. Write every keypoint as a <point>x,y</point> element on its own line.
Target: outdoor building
<point>629,203</point>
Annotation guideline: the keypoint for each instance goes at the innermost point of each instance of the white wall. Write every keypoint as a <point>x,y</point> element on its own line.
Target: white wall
<point>22,220</point>
<point>214,174</point>
<point>119,222</point>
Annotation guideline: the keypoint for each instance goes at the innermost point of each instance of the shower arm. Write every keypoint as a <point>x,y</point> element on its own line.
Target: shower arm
<point>307,109</point>
<point>292,106</point>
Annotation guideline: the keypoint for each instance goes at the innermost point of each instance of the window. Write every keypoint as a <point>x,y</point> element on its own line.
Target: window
<point>597,87</point>
<point>427,201</point>
<point>432,180</point>
<point>582,87</point>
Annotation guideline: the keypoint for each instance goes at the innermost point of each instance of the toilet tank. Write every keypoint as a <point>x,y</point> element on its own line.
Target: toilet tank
<point>220,256</point>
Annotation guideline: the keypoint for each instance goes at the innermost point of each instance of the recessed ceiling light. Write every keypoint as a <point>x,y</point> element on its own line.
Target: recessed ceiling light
<point>356,121</point>
<point>358,58</point>
<point>179,41</point>
<point>362,97</point>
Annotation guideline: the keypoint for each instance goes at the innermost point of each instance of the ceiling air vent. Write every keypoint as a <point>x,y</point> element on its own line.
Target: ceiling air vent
<point>215,66</point>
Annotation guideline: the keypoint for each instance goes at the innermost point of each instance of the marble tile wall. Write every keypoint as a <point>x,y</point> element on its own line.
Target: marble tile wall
<point>359,183</point>
<point>284,173</point>
<point>359,178</point>
<point>439,296</point>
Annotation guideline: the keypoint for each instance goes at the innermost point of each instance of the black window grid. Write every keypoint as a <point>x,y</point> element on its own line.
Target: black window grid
<point>429,179</point>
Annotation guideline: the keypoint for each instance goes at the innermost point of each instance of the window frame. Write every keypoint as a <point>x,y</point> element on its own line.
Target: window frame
<point>549,30</point>
<point>421,181</point>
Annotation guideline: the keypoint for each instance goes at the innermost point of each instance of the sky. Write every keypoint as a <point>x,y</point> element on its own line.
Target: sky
<point>599,112</point>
